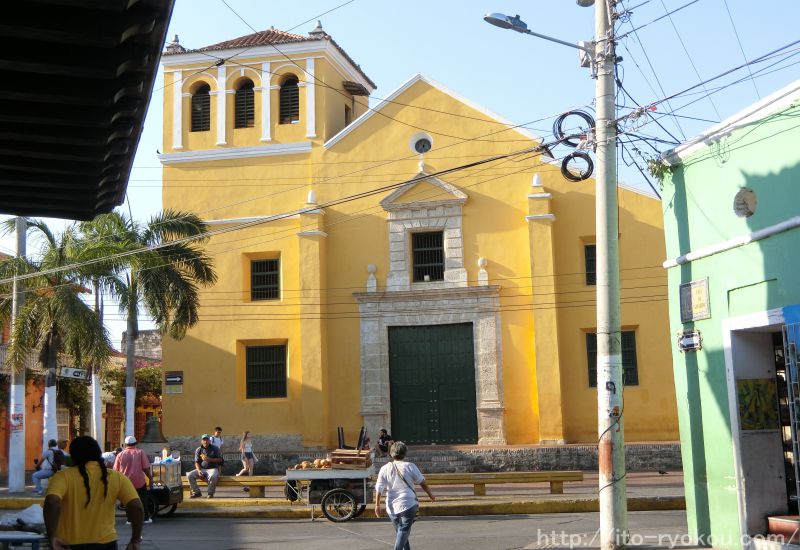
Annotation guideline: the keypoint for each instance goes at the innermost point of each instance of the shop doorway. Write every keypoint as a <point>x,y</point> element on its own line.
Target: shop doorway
<point>432,384</point>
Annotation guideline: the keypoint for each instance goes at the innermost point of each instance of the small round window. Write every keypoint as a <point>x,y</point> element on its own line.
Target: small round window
<point>423,145</point>
<point>744,203</point>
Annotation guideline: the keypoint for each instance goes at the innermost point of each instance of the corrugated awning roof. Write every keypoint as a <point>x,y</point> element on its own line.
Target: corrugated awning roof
<point>75,83</point>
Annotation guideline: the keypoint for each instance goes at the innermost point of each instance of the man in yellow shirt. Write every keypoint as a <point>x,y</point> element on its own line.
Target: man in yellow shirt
<point>80,502</point>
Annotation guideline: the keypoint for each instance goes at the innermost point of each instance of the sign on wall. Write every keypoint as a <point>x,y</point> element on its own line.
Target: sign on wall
<point>173,381</point>
<point>694,301</point>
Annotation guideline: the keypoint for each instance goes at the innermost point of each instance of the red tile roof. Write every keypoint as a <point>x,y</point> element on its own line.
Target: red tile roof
<point>262,38</point>
<point>270,37</point>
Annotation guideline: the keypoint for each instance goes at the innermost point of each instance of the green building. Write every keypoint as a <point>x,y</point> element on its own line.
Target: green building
<point>731,203</point>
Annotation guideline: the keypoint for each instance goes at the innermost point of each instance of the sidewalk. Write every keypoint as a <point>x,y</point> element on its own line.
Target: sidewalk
<point>647,491</point>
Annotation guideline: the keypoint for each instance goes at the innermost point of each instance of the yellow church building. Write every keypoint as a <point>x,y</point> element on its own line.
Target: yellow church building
<point>371,275</point>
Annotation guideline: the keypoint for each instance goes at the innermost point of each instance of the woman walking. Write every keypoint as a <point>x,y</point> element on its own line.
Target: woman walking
<point>80,504</point>
<point>248,458</point>
<point>397,479</point>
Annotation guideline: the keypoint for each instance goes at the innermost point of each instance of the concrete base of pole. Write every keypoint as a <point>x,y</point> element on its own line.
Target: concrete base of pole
<point>130,410</point>
<point>16,440</point>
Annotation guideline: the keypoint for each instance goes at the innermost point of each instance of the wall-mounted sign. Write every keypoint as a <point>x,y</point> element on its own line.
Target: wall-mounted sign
<point>694,301</point>
<point>690,340</point>
<point>173,382</point>
<point>75,374</point>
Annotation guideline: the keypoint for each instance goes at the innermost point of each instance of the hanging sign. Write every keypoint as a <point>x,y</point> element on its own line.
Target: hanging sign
<point>75,374</point>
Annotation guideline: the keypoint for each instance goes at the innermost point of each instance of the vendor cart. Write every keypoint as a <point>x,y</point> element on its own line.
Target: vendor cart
<point>342,494</point>
<point>167,490</point>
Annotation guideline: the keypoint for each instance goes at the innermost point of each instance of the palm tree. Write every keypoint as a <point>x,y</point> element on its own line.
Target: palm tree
<point>54,320</point>
<point>162,277</point>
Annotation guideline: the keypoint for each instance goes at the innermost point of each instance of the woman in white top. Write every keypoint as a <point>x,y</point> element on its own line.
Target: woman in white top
<point>248,458</point>
<point>397,479</point>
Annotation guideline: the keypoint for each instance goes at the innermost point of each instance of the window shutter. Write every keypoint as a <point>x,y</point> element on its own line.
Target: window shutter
<point>201,109</point>
<point>266,371</point>
<point>428,255</point>
<point>245,106</point>
<point>265,279</point>
<point>289,101</point>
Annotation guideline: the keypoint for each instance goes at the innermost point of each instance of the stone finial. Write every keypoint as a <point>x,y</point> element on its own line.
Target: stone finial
<point>372,282</point>
<point>175,46</point>
<point>318,32</point>
<point>483,275</point>
<point>311,198</point>
<point>536,181</point>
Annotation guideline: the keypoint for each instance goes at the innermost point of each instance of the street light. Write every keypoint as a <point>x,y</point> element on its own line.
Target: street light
<point>611,449</point>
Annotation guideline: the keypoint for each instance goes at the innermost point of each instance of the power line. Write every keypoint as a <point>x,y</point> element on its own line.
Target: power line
<point>741,48</point>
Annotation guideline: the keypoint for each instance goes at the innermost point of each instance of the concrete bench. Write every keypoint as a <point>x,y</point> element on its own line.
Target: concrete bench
<point>255,483</point>
<point>481,479</point>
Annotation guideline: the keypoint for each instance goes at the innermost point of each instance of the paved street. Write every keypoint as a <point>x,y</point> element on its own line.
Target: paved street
<point>463,533</point>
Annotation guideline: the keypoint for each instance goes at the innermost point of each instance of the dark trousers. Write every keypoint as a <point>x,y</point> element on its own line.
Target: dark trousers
<point>144,497</point>
<point>93,546</point>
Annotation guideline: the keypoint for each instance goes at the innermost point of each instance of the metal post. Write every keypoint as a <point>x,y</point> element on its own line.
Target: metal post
<point>16,440</point>
<point>611,450</point>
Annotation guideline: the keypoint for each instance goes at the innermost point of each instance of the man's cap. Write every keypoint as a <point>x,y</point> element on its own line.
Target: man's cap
<point>52,443</point>
<point>130,440</point>
<point>204,436</point>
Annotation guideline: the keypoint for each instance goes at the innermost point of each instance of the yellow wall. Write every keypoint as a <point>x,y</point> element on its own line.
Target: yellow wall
<point>317,315</point>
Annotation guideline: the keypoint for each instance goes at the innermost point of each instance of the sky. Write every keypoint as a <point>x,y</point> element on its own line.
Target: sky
<point>524,79</point>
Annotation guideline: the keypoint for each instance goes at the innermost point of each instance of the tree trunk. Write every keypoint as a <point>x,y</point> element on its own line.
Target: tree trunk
<point>130,378</point>
<point>50,424</point>
<point>97,404</point>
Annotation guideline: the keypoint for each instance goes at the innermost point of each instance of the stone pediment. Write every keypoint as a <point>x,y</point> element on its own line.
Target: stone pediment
<point>426,192</point>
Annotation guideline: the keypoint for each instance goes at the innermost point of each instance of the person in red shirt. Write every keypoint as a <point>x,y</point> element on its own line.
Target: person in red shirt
<point>133,462</point>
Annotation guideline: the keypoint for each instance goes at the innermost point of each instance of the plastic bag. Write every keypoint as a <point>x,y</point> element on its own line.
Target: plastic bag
<point>29,519</point>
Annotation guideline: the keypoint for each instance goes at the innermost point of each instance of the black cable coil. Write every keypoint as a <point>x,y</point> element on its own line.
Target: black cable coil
<point>572,139</point>
<point>583,174</point>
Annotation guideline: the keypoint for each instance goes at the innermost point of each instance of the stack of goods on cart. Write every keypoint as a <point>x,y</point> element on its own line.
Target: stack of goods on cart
<point>318,464</point>
<point>350,459</point>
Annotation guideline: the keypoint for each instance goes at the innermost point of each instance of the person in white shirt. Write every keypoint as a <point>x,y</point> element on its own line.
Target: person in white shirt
<point>48,464</point>
<point>216,439</point>
<point>397,479</point>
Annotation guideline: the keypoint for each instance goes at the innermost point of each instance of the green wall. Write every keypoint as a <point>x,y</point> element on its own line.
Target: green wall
<point>698,201</point>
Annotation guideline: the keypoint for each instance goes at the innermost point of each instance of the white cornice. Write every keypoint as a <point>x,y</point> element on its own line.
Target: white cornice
<point>408,84</point>
<point>778,101</point>
<point>313,233</point>
<point>540,196</point>
<point>260,52</point>
<point>236,153</point>
<point>541,217</point>
<point>458,197</point>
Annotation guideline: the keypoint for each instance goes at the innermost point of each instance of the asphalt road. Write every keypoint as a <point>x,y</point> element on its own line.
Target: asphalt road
<point>664,529</point>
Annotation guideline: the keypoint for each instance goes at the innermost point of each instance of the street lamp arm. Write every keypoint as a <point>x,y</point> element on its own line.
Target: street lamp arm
<point>557,41</point>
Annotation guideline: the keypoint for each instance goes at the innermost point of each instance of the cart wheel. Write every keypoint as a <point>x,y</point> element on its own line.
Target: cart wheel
<point>339,505</point>
<point>167,510</point>
<point>360,510</point>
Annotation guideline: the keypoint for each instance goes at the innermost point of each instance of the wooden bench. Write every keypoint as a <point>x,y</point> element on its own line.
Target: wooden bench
<point>255,483</point>
<point>481,479</point>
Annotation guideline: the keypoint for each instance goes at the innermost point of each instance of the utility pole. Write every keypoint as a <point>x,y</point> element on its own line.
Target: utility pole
<point>16,439</point>
<point>611,434</point>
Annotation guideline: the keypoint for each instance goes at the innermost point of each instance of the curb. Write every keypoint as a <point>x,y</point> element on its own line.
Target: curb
<point>237,508</point>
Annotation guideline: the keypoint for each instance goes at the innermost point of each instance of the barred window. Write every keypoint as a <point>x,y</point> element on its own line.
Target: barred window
<point>265,279</point>
<point>244,112</point>
<point>590,262</point>
<point>266,371</point>
<point>630,373</point>
<point>201,109</point>
<point>428,256</point>
<point>289,101</point>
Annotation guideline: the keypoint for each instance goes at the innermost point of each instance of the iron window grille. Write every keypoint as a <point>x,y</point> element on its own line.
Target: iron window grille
<point>201,109</point>
<point>265,279</point>
<point>266,371</point>
<point>244,115</point>
<point>590,262</point>
<point>289,101</point>
<point>428,256</point>
<point>630,373</point>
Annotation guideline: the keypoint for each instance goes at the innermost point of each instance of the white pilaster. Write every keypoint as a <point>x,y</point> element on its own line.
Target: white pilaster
<point>266,102</point>
<point>177,110</point>
<point>311,89</point>
<point>222,97</point>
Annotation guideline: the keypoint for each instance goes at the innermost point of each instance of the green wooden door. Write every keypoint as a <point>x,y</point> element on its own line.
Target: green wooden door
<point>432,377</point>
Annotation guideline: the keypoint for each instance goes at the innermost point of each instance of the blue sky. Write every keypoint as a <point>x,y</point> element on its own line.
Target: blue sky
<point>519,77</point>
